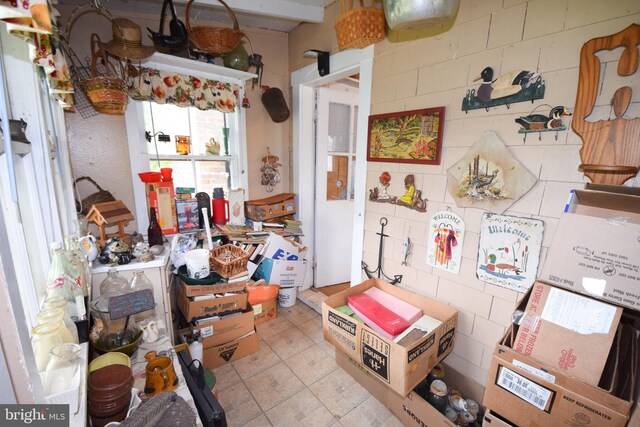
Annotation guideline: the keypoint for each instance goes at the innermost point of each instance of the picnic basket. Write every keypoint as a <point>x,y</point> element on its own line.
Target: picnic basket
<point>359,27</point>
<point>228,260</point>
<point>214,40</point>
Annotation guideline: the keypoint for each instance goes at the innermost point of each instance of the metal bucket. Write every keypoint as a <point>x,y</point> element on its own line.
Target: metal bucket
<point>416,14</point>
<point>275,104</point>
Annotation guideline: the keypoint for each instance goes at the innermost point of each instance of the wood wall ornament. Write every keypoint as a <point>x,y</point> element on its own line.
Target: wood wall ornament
<point>488,176</point>
<point>610,151</point>
<point>543,123</point>
<point>509,88</point>
<point>509,251</point>
<point>412,198</point>
<point>445,240</point>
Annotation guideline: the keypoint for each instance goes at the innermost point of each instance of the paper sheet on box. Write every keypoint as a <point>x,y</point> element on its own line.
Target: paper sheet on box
<point>579,314</point>
<point>277,247</point>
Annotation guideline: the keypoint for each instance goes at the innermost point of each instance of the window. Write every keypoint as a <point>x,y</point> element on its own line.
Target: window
<point>199,169</point>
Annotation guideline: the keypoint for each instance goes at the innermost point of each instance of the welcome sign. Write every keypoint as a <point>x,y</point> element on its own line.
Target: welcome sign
<point>509,251</point>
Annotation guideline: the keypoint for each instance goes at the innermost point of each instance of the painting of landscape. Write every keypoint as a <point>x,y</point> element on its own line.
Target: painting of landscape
<point>406,137</point>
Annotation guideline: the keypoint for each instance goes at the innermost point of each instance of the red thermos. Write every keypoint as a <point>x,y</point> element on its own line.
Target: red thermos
<point>220,207</point>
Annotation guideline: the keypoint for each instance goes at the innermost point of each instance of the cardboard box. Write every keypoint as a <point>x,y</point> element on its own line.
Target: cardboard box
<point>530,393</point>
<point>218,288</point>
<point>187,214</point>
<point>270,207</point>
<point>411,410</point>
<point>222,354</point>
<point>491,419</point>
<point>571,332</point>
<point>401,368</point>
<point>279,248</point>
<point>209,307</point>
<point>265,311</point>
<point>283,273</point>
<point>225,328</point>
<point>596,245</point>
<point>160,196</point>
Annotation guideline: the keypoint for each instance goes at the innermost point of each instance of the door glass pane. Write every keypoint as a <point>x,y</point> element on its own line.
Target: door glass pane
<point>354,149</point>
<point>337,175</point>
<point>339,128</point>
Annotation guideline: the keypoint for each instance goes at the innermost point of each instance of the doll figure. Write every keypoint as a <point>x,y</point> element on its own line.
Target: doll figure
<point>410,189</point>
<point>383,185</point>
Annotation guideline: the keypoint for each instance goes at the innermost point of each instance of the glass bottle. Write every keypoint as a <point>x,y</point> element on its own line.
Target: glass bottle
<point>61,303</point>
<point>138,282</point>
<point>78,262</point>
<point>437,396</point>
<point>154,232</point>
<point>60,283</point>
<point>44,338</point>
<point>55,315</point>
<point>114,283</point>
<point>63,370</point>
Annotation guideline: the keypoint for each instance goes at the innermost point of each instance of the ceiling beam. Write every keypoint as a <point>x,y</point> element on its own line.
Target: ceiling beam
<point>283,9</point>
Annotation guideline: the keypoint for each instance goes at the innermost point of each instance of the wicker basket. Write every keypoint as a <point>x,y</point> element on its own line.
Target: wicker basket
<point>107,94</point>
<point>358,28</point>
<point>228,260</point>
<point>100,196</point>
<point>214,40</point>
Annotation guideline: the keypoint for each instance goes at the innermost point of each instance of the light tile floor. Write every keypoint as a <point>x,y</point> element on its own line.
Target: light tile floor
<point>294,380</point>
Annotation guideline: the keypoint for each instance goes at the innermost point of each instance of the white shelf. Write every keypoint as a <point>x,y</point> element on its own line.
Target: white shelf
<point>176,64</point>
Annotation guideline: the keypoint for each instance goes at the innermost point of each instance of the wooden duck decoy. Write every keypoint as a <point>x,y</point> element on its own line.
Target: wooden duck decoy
<point>540,121</point>
<point>506,85</point>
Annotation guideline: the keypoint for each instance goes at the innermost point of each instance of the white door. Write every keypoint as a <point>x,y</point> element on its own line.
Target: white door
<point>336,131</point>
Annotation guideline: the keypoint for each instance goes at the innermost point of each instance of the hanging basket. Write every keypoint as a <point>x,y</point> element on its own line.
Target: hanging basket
<point>360,27</point>
<point>100,196</point>
<point>214,40</point>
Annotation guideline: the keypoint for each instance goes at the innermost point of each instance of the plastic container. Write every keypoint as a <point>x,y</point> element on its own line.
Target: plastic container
<point>287,296</point>
<point>261,293</point>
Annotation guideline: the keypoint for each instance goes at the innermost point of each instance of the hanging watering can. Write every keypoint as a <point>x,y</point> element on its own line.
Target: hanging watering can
<point>417,14</point>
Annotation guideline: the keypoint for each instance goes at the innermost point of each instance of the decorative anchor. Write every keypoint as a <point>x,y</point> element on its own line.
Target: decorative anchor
<point>396,278</point>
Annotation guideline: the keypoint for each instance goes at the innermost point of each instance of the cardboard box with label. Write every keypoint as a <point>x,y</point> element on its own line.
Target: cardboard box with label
<point>270,207</point>
<point>596,245</point>
<point>400,367</point>
<point>160,196</point>
<point>571,332</point>
<point>209,305</point>
<point>281,272</point>
<point>265,311</point>
<point>222,354</point>
<point>216,288</point>
<point>411,410</point>
<point>225,328</point>
<point>531,393</point>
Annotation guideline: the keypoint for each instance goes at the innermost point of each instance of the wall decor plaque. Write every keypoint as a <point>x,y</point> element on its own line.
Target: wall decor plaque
<point>444,242</point>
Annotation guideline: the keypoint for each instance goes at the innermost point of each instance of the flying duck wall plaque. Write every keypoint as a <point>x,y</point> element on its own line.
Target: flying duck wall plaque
<point>507,89</point>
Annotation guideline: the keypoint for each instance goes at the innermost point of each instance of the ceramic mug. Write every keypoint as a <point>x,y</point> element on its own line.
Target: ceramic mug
<point>150,332</point>
<point>160,373</point>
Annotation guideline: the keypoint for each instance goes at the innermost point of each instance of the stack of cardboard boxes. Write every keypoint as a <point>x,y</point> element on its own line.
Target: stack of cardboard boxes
<point>221,315</point>
<point>572,357</point>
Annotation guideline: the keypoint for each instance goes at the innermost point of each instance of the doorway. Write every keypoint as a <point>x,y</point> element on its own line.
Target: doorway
<point>305,83</point>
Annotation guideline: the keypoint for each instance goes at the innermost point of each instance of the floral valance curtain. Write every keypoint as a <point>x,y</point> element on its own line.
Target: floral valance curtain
<point>31,21</point>
<point>182,90</point>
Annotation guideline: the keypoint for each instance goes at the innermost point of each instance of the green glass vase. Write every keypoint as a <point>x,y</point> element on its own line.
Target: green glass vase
<point>238,58</point>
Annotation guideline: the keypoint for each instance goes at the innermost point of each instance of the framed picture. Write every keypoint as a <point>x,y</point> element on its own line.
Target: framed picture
<point>406,137</point>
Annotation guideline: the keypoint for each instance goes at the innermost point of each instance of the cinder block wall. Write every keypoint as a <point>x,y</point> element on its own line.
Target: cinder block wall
<point>413,71</point>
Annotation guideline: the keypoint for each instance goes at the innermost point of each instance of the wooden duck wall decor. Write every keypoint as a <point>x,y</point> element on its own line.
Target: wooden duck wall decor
<point>543,123</point>
<point>610,151</point>
<point>509,88</point>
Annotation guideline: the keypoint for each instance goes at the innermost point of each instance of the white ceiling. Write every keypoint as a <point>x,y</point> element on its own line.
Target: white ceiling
<point>278,15</point>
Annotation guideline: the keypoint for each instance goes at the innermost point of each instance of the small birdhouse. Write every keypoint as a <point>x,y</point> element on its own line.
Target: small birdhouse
<point>110,214</point>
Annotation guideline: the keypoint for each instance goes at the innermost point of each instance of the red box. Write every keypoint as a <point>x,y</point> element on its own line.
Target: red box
<point>161,196</point>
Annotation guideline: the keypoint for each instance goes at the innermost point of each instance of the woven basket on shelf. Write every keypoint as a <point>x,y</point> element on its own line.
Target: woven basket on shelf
<point>100,196</point>
<point>107,93</point>
<point>214,40</point>
<point>358,28</point>
<point>228,260</point>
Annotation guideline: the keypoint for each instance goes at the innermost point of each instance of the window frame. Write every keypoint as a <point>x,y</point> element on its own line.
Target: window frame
<point>236,121</point>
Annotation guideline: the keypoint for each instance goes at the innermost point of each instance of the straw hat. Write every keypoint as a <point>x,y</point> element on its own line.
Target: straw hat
<point>127,40</point>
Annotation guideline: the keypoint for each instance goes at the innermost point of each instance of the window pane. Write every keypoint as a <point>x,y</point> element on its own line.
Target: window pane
<point>170,120</point>
<point>182,171</point>
<point>339,124</point>
<point>211,174</point>
<point>204,126</point>
<point>337,175</point>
